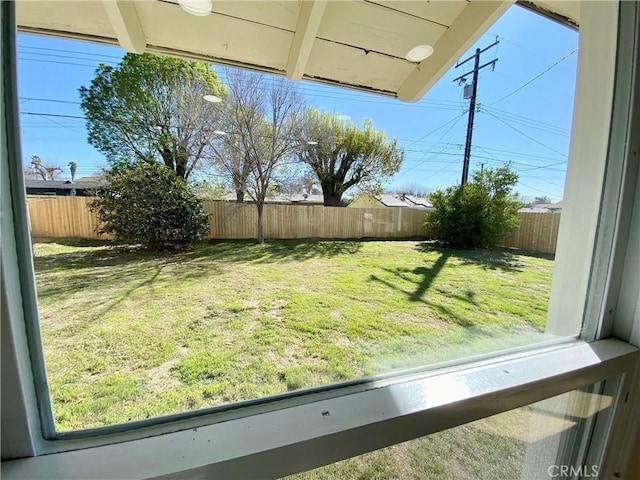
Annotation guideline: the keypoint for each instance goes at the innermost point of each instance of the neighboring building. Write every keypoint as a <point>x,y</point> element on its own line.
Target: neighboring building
<point>63,188</point>
<point>283,199</point>
<point>391,200</point>
<point>542,208</point>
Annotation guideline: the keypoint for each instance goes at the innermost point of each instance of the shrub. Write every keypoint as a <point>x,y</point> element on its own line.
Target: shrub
<point>148,204</point>
<point>480,213</point>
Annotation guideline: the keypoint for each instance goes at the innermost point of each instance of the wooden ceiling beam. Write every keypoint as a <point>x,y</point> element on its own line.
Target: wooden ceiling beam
<point>309,19</point>
<point>125,22</point>
<point>467,28</point>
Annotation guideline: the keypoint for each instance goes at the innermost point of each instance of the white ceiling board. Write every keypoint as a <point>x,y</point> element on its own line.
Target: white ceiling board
<point>69,18</point>
<point>443,12</point>
<point>280,14</point>
<point>376,28</point>
<point>277,14</point>
<point>351,65</point>
<point>474,20</point>
<point>215,36</point>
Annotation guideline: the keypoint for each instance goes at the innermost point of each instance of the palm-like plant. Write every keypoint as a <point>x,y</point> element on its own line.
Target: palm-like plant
<point>73,166</point>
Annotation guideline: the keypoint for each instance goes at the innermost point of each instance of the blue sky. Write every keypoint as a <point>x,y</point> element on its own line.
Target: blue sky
<point>521,118</point>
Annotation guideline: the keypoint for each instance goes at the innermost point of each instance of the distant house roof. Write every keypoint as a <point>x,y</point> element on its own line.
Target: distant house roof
<point>296,198</point>
<point>419,201</point>
<point>54,187</point>
<point>89,179</point>
<point>389,200</point>
<point>536,209</point>
<point>402,200</point>
<point>543,208</point>
<point>393,200</point>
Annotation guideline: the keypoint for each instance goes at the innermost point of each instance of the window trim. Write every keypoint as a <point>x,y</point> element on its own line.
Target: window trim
<point>284,441</point>
<point>308,441</point>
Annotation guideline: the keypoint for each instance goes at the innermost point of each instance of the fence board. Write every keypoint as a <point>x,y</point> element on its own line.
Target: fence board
<point>69,217</point>
<point>537,232</point>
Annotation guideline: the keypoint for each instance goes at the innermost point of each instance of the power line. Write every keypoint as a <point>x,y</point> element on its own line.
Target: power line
<point>529,123</point>
<point>430,150</point>
<point>518,154</point>
<point>56,62</point>
<point>53,100</point>
<point>545,166</point>
<point>536,189</point>
<point>537,76</point>
<point>528,120</point>
<point>21,47</point>
<point>524,48</point>
<point>525,135</point>
<point>65,126</point>
<point>457,117</point>
<point>39,114</point>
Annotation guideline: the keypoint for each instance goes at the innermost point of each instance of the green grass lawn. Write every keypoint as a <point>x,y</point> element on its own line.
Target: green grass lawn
<point>130,335</point>
<point>491,448</point>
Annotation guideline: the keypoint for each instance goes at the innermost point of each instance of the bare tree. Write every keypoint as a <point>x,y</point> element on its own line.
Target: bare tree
<point>412,189</point>
<point>263,123</point>
<point>36,165</point>
<point>46,173</point>
<point>295,179</point>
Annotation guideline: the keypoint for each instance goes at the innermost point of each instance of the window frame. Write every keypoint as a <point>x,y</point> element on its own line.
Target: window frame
<point>309,430</point>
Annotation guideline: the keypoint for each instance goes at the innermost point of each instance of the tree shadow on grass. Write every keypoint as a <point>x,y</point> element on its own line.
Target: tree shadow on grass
<point>486,258</point>
<point>112,267</point>
<point>104,257</point>
<point>428,275</point>
<point>273,251</point>
<point>229,251</point>
<point>90,278</point>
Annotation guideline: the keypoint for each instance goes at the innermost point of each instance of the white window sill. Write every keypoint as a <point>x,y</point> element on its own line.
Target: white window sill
<point>277,442</point>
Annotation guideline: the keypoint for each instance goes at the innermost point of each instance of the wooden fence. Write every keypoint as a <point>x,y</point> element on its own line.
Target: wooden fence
<point>538,232</point>
<point>69,217</point>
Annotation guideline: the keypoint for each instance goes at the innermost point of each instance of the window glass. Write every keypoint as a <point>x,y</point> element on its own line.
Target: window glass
<point>349,282</point>
<point>521,443</point>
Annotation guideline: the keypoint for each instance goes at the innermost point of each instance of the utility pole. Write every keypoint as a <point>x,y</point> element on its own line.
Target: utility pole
<point>472,106</point>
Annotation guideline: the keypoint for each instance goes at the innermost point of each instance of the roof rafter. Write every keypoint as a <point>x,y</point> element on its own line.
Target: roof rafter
<point>309,19</point>
<point>124,20</point>
<point>474,20</point>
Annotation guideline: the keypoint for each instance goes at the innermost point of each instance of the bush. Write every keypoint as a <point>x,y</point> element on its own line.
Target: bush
<point>148,204</point>
<point>478,214</point>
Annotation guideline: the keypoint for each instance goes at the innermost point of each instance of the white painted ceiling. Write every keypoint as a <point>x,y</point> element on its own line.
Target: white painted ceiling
<point>358,44</point>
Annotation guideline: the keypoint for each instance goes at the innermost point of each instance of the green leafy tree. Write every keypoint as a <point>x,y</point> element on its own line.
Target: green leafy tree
<point>210,189</point>
<point>343,156</point>
<point>151,108</point>
<point>148,204</point>
<point>478,214</point>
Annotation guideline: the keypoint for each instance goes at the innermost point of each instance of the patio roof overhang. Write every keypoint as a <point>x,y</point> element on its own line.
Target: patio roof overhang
<point>356,44</point>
